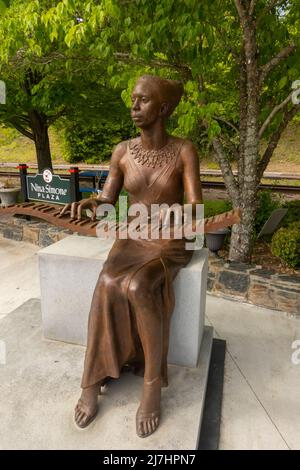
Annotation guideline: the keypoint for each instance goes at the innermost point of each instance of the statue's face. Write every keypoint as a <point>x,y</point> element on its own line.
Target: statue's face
<point>146,106</point>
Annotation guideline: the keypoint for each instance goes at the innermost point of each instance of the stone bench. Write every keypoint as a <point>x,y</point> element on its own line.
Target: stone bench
<point>69,270</point>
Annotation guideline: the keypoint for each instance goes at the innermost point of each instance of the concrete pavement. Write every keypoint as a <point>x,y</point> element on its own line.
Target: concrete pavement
<point>261,402</point>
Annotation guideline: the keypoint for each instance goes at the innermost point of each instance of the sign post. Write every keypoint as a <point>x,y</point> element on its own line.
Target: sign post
<point>23,179</point>
<point>74,184</point>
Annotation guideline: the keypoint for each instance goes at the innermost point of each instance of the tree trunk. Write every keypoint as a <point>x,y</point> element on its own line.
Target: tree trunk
<point>241,242</point>
<point>242,235</point>
<point>39,126</point>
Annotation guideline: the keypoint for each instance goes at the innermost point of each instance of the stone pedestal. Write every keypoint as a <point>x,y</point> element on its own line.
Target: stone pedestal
<point>69,270</point>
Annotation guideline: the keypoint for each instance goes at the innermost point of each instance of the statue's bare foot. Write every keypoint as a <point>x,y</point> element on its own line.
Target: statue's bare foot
<point>148,413</point>
<point>87,406</point>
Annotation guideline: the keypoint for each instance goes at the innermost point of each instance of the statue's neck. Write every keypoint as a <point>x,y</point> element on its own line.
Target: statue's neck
<point>154,137</point>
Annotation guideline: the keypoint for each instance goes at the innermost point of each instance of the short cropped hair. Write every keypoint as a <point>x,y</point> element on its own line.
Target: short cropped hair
<point>169,91</point>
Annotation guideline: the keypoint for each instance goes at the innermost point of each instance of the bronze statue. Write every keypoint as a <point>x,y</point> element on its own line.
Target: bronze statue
<point>133,300</point>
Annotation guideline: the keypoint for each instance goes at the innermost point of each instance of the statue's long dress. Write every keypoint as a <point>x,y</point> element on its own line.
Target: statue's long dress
<point>113,339</point>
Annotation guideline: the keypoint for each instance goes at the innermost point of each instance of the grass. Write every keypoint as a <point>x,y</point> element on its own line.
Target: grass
<point>288,149</point>
<point>16,148</point>
<point>269,181</point>
<point>214,206</point>
<point>286,157</point>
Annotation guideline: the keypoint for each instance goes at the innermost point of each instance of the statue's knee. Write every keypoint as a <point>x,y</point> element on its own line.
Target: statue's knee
<point>106,281</point>
<point>133,289</point>
<point>138,290</point>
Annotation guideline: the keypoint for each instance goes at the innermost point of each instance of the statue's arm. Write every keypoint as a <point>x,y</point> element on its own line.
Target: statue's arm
<point>191,173</point>
<point>114,181</point>
<point>111,189</point>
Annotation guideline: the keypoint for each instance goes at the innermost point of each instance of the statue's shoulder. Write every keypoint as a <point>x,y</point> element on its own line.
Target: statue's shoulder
<point>120,150</point>
<point>188,150</point>
<point>187,146</point>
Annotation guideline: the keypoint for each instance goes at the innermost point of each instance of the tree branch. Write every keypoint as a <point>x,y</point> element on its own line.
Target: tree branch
<point>122,56</point>
<point>243,110</point>
<point>273,113</point>
<point>283,54</point>
<point>240,9</point>
<point>126,57</point>
<point>54,117</point>
<point>227,173</point>
<point>288,116</point>
<point>219,118</point>
<point>21,129</point>
<point>249,86</point>
<point>251,7</point>
<point>227,142</point>
<point>22,118</point>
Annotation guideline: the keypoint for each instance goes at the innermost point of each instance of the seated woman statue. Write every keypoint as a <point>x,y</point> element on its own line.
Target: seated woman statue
<point>129,319</point>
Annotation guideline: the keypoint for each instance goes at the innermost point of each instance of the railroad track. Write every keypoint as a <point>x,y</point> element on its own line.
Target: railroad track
<point>280,188</point>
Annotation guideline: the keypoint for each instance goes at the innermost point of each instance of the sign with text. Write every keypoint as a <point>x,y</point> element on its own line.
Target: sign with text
<point>47,187</point>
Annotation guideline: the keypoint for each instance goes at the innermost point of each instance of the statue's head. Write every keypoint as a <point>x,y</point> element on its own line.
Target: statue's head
<point>154,98</point>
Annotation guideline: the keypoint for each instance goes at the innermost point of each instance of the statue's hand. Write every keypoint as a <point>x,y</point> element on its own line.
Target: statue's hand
<point>76,208</point>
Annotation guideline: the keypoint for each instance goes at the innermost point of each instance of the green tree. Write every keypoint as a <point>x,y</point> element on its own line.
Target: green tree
<point>91,131</point>
<point>3,5</point>
<point>43,80</point>
<point>238,60</point>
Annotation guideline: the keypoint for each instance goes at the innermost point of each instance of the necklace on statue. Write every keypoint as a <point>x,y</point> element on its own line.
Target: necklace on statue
<point>153,158</point>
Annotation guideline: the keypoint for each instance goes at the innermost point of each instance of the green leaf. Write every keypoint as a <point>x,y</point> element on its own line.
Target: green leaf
<point>282,82</point>
<point>53,35</point>
<point>135,49</point>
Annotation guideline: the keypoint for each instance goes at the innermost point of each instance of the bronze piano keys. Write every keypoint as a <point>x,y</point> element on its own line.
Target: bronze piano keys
<point>87,227</point>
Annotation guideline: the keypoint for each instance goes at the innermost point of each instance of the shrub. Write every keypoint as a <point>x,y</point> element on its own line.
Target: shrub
<point>286,244</point>
<point>293,213</point>
<point>94,142</point>
<point>267,203</point>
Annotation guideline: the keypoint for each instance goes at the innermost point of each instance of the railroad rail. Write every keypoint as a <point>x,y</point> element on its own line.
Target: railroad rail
<point>207,172</point>
<point>282,188</point>
<point>12,172</point>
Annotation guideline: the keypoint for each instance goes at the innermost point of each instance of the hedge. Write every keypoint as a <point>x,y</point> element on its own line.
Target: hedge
<point>286,244</point>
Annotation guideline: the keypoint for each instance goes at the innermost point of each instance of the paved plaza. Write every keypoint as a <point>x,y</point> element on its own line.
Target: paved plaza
<point>261,405</point>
